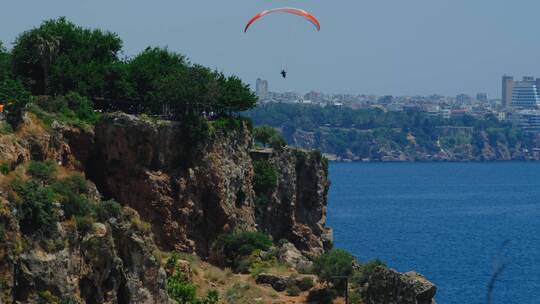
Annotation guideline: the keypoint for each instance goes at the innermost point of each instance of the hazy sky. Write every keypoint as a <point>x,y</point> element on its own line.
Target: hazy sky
<point>399,47</point>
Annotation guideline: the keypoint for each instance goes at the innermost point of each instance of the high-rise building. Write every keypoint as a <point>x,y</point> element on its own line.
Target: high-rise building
<point>387,99</point>
<point>527,120</point>
<point>261,88</point>
<point>463,99</point>
<point>483,97</point>
<point>507,87</point>
<point>526,93</point>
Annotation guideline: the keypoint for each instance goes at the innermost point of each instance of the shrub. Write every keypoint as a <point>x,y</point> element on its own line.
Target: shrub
<point>361,276</point>
<point>277,142</point>
<point>84,224</point>
<point>75,183</point>
<point>355,297</point>
<point>257,267</point>
<point>293,291</point>
<point>321,296</point>
<point>238,245</point>
<point>306,283</point>
<point>228,123</point>
<point>71,192</point>
<point>212,297</point>
<point>48,297</point>
<point>265,179</point>
<point>72,108</point>
<point>332,264</point>
<point>4,168</point>
<point>266,135</point>
<point>180,289</point>
<point>108,209</point>
<point>5,128</point>
<point>82,107</point>
<point>235,292</point>
<point>36,211</point>
<point>44,171</point>
<point>76,205</point>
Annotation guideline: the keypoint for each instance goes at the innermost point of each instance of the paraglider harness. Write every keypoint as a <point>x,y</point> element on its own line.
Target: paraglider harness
<point>283,73</point>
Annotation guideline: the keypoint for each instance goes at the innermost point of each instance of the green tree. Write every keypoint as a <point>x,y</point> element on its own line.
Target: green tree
<point>11,90</point>
<point>58,57</point>
<point>332,266</point>
<point>5,63</point>
<point>235,96</point>
<point>266,134</point>
<point>237,245</point>
<point>153,66</point>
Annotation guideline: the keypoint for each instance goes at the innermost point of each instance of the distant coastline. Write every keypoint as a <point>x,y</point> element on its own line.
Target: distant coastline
<point>373,135</point>
<point>333,158</point>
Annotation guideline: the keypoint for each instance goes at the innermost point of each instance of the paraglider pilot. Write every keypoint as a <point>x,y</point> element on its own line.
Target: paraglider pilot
<point>283,73</point>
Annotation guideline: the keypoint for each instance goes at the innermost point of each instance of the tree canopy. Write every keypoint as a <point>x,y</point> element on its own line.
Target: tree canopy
<point>59,57</point>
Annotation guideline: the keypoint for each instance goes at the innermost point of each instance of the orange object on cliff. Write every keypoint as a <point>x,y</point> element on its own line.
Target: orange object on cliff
<point>1,108</point>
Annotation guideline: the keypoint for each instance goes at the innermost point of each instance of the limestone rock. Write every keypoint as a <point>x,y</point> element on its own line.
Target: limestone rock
<point>289,254</point>
<point>389,286</point>
<point>99,229</point>
<point>114,264</point>
<point>278,282</point>
<point>192,193</point>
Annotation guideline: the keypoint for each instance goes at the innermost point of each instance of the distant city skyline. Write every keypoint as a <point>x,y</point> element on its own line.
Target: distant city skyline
<point>417,47</point>
<point>263,87</point>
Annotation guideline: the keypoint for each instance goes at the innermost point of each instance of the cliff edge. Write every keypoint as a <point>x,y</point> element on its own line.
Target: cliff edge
<point>191,192</point>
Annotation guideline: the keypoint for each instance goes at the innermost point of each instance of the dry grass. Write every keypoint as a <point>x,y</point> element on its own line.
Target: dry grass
<point>238,288</point>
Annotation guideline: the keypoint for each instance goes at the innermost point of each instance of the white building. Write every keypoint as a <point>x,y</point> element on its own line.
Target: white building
<point>525,94</point>
<point>527,120</point>
<point>261,88</point>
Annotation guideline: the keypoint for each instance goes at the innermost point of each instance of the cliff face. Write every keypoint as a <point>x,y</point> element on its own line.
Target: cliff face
<point>191,193</point>
<point>33,141</point>
<point>297,208</point>
<point>113,263</point>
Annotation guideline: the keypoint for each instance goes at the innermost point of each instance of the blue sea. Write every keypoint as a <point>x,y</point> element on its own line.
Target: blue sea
<point>452,222</point>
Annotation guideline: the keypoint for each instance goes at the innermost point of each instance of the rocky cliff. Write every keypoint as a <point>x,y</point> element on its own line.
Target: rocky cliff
<point>112,262</point>
<point>192,192</point>
<point>190,188</point>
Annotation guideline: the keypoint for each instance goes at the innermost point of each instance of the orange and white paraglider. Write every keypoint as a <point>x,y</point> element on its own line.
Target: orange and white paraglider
<point>289,10</point>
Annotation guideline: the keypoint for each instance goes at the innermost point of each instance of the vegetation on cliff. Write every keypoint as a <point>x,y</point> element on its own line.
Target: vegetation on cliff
<point>43,200</point>
<point>373,134</point>
<point>59,58</point>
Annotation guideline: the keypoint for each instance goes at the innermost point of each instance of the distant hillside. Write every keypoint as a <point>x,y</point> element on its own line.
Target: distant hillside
<point>375,135</point>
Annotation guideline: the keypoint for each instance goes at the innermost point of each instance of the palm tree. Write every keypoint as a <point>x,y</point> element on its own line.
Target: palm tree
<point>48,49</point>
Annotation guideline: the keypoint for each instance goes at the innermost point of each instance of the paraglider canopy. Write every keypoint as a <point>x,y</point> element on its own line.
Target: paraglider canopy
<point>288,10</point>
